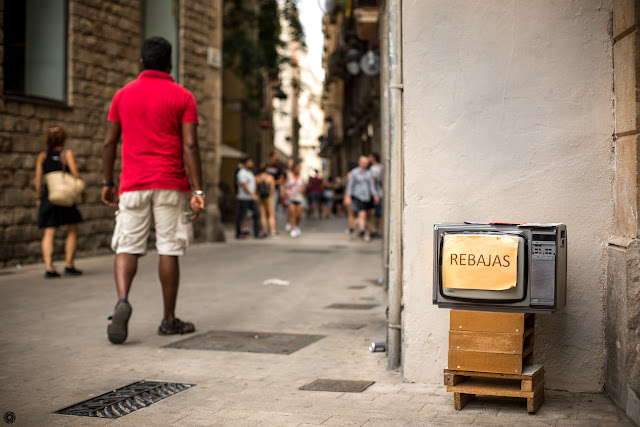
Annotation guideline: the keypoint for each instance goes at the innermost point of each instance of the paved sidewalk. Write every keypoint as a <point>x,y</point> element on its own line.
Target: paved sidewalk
<point>54,351</point>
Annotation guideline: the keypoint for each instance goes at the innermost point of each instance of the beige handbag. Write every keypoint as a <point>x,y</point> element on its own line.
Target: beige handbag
<point>63,187</point>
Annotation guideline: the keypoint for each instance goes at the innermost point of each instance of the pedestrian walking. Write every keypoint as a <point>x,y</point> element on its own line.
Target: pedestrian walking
<point>315,188</point>
<point>244,229</point>
<point>50,216</point>
<point>247,199</point>
<point>328,195</point>
<point>157,119</point>
<point>338,201</point>
<point>351,217</point>
<point>283,191</point>
<point>376,173</point>
<point>275,169</point>
<point>295,189</point>
<point>266,192</point>
<point>361,194</point>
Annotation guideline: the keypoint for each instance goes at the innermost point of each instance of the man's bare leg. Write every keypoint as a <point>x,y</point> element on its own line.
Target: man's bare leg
<point>125,266</point>
<point>362,220</point>
<point>169,272</point>
<point>369,221</point>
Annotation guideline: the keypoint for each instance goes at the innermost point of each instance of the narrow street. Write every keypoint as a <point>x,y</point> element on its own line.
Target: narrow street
<point>54,350</point>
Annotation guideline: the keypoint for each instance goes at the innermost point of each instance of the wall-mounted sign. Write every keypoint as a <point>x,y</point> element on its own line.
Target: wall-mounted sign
<point>214,57</point>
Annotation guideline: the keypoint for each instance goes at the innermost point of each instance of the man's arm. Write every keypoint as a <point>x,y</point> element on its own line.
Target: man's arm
<point>194,166</point>
<point>246,188</point>
<point>349,189</point>
<point>350,184</point>
<point>192,154</point>
<point>109,151</point>
<point>372,187</point>
<point>243,179</point>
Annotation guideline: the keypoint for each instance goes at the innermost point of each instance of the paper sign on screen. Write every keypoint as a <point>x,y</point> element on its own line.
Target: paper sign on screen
<point>480,262</point>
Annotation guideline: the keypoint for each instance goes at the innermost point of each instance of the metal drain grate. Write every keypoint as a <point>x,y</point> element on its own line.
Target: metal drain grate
<point>352,306</point>
<point>125,400</point>
<point>339,325</point>
<point>341,386</point>
<point>252,342</point>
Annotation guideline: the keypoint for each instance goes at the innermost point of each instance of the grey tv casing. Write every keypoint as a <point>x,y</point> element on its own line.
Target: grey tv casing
<point>544,277</point>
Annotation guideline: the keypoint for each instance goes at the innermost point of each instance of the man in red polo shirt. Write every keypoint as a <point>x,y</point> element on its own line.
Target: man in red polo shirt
<point>157,119</point>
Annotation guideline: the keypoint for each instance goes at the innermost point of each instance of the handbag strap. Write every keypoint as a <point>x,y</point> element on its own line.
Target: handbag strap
<point>63,155</point>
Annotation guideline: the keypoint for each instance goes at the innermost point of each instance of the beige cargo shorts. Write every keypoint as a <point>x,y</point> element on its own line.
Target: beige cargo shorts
<point>171,213</point>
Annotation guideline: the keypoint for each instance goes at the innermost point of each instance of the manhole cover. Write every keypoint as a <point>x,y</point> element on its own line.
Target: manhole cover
<point>338,325</point>
<point>252,342</point>
<point>125,400</point>
<point>342,386</point>
<point>352,306</point>
<point>356,287</point>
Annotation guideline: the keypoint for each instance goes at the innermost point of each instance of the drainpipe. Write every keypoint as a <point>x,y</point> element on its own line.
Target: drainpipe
<point>395,194</point>
<point>384,135</point>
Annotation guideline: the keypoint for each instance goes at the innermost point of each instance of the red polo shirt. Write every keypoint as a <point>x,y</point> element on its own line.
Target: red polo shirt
<point>151,110</point>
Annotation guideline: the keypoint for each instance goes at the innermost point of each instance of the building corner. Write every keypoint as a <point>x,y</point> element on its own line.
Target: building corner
<point>622,299</point>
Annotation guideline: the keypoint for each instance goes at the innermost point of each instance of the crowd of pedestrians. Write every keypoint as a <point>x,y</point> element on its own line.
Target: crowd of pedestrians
<point>359,194</point>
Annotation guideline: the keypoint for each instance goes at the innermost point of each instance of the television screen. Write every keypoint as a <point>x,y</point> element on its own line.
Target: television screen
<point>483,266</point>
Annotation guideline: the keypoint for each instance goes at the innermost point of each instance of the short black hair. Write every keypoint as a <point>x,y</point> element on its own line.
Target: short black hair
<point>244,159</point>
<point>156,54</point>
<point>376,156</point>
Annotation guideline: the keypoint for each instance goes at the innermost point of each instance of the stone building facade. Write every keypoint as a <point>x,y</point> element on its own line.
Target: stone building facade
<point>298,119</point>
<point>351,98</point>
<point>100,55</point>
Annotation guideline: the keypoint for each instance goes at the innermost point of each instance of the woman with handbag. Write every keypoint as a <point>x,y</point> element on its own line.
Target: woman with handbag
<point>51,216</point>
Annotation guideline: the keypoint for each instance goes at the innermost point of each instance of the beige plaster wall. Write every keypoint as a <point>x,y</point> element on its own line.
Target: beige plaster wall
<point>508,110</point>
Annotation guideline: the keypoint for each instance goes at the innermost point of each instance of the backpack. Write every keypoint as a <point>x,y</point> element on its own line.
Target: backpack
<point>264,189</point>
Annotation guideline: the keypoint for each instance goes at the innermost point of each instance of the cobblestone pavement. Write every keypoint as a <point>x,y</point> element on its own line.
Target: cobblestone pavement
<point>54,351</point>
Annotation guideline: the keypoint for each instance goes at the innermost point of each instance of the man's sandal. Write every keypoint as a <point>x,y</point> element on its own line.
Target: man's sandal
<point>118,322</point>
<point>177,327</point>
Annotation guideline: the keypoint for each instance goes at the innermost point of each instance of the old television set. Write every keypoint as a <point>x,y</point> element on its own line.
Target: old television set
<point>500,267</point>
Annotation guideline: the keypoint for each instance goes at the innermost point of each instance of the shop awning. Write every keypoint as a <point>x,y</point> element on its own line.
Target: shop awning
<point>230,152</point>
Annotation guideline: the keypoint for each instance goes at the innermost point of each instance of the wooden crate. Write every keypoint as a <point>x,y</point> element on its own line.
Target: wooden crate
<point>483,321</point>
<point>490,342</point>
<point>465,385</point>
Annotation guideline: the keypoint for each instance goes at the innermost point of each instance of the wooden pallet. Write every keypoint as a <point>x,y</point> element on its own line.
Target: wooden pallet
<point>465,385</point>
